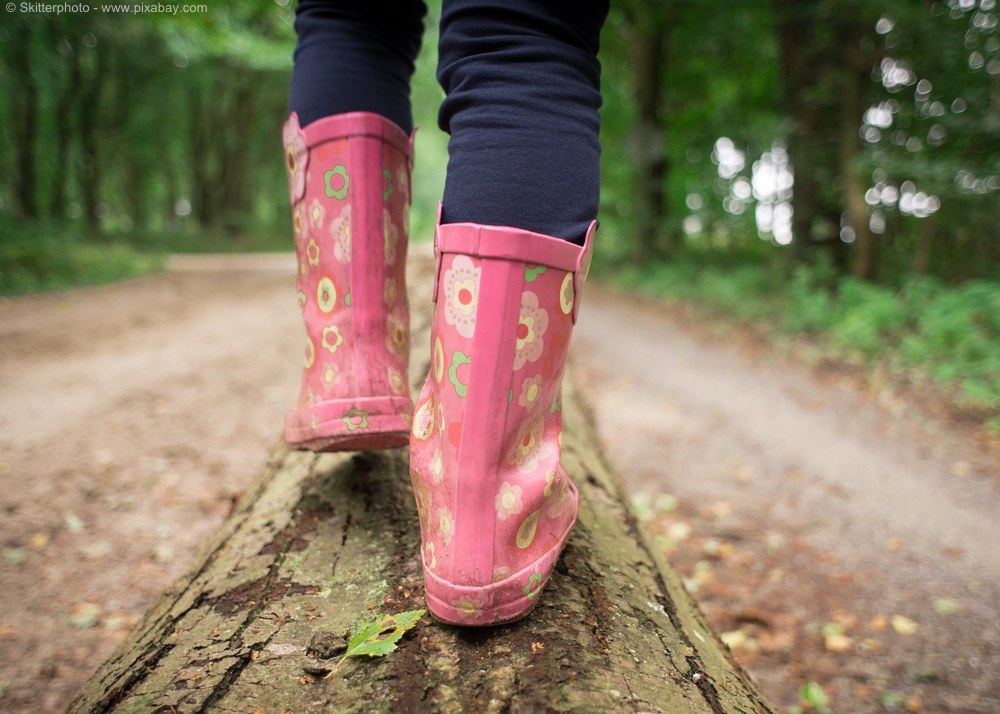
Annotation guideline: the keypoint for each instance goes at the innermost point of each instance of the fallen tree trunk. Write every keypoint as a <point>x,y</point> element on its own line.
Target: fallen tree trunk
<point>320,542</point>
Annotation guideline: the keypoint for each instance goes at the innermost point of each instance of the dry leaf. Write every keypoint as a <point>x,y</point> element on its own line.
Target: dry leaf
<point>904,625</point>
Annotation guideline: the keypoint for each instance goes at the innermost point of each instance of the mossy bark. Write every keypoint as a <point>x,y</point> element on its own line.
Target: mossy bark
<point>320,542</point>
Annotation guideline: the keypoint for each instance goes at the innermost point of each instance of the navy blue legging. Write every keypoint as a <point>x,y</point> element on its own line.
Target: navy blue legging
<point>522,86</point>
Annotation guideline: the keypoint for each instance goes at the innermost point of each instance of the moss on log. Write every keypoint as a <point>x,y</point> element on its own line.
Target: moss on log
<point>320,542</point>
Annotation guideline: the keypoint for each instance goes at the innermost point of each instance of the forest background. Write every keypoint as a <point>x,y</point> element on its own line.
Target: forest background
<point>827,169</point>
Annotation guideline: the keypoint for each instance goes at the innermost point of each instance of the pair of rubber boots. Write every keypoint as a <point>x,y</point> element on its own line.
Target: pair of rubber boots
<point>495,504</point>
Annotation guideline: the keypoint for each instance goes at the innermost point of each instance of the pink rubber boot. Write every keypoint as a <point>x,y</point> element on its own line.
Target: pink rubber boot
<point>495,504</point>
<point>349,180</point>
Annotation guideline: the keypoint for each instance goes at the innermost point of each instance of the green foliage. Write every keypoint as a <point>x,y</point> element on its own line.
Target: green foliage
<point>379,637</point>
<point>812,698</point>
<point>43,259</point>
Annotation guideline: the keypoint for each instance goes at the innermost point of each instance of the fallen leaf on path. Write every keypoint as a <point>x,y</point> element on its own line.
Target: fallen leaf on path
<point>665,502</point>
<point>904,625</point>
<point>97,550</point>
<point>961,469</point>
<point>640,505</point>
<point>73,523</point>
<point>878,623</point>
<point>39,540</point>
<point>15,555</point>
<point>84,615</point>
<point>946,605</point>
<point>838,643</point>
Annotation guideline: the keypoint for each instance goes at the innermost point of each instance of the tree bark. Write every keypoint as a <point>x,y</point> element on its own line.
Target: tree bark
<point>322,541</point>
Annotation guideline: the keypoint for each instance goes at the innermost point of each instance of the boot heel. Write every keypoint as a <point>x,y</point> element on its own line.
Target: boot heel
<point>349,184</point>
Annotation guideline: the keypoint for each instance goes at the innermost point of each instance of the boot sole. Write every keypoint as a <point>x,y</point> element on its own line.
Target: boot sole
<point>364,424</point>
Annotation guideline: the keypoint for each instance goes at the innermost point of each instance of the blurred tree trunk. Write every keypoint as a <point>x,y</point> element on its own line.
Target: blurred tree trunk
<point>26,116</point>
<point>925,241</point>
<point>64,130</point>
<point>90,175</point>
<point>823,48</point>
<point>649,52</point>
<point>856,75</point>
<point>235,129</point>
<point>202,193</point>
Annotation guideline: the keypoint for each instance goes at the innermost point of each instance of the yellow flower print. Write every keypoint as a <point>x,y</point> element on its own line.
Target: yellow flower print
<point>530,446</point>
<point>316,213</point>
<point>528,528</point>
<point>330,373</point>
<point>332,339</point>
<point>430,557</point>
<point>398,337</point>
<point>390,235</point>
<point>531,327</point>
<point>312,252</point>
<point>438,360</point>
<point>508,501</point>
<point>326,294</point>
<point>298,223</point>
<point>437,467</point>
<point>461,295</point>
<point>423,421</point>
<point>389,291</point>
<point>468,608</point>
<point>403,182</point>
<point>310,353</point>
<point>566,294</point>
<point>395,380</point>
<point>445,524</point>
<point>531,389</point>
<point>550,478</point>
<point>296,158</point>
<point>340,232</point>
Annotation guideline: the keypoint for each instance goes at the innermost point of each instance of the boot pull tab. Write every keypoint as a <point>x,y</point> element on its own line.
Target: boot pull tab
<point>583,267</point>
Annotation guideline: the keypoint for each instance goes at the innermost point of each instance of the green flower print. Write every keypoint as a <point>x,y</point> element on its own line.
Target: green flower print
<point>356,419</point>
<point>329,180</point>
<point>532,271</point>
<point>534,586</point>
<point>387,191</point>
<point>457,360</point>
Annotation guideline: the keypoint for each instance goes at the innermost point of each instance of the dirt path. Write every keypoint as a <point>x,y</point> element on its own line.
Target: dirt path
<point>809,515</point>
<point>801,509</point>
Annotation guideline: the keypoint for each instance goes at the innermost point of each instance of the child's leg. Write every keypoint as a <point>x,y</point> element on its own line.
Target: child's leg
<point>496,505</point>
<point>348,152</point>
<point>355,56</point>
<point>523,91</point>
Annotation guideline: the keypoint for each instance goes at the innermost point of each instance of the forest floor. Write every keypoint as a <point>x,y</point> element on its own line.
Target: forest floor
<point>836,530</point>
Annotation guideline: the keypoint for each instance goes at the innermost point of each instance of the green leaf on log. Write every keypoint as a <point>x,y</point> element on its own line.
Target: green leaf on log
<point>379,637</point>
